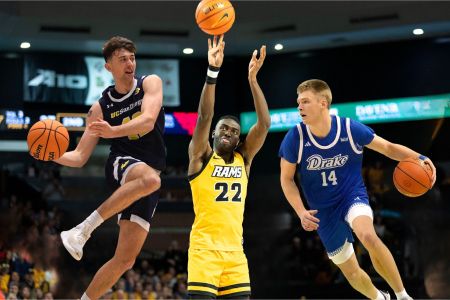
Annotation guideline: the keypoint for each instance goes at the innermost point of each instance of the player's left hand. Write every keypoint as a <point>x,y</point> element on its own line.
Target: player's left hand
<point>430,164</point>
<point>101,128</point>
<point>256,63</point>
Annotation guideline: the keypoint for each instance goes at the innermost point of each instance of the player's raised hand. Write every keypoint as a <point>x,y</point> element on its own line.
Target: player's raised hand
<point>215,51</point>
<point>101,128</point>
<point>256,63</point>
<point>309,222</point>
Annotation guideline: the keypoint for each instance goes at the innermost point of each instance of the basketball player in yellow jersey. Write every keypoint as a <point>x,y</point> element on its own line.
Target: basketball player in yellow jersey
<point>217,266</point>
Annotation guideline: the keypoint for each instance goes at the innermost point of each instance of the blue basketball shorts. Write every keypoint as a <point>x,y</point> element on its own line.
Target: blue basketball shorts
<point>335,227</point>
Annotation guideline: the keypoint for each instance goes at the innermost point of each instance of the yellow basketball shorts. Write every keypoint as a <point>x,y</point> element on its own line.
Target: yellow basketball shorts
<point>219,274</point>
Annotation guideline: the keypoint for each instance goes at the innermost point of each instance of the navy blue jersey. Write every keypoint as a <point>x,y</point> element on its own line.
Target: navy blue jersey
<point>329,167</point>
<point>119,109</point>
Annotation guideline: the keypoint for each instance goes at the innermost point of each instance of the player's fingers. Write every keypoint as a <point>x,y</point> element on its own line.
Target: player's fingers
<point>312,212</point>
<point>312,219</point>
<point>221,39</point>
<point>262,53</point>
<point>209,44</point>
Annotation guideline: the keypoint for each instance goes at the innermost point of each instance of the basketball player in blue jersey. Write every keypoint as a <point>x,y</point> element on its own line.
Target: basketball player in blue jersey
<point>328,151</point>
<point>218,175</point>
<point>130,113</point>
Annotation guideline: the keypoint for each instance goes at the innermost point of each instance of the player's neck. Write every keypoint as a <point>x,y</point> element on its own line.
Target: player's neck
<point>226,156</point>
<point>123,87</point>
<point>322,127</point>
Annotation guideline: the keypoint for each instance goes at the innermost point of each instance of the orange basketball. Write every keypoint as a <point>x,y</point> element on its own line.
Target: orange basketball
<point>47,140</point>
<point>215,17</point>
<point>412,177</point>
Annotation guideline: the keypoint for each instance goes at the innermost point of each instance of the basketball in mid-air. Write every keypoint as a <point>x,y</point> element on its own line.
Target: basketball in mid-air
<point>47,140</point>
<point>215,17</point>
<point>412,177</point>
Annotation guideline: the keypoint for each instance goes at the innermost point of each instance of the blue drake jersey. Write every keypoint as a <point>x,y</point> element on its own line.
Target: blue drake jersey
<point>118,109</point>
<point>329,167</point>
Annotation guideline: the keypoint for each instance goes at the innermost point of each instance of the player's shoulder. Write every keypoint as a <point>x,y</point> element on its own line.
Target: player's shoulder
<point>293,132</point>
<point>150,78</point>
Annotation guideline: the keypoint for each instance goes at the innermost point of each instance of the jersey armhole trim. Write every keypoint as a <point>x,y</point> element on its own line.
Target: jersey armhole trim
<point>195,175</point>
<point>300,146</point>
<point>350,137</point>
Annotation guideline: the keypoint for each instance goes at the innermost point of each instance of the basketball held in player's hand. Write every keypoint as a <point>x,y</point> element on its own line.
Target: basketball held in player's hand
<point>412,177</point>
<point>47,140</point>
<point>215,17</point>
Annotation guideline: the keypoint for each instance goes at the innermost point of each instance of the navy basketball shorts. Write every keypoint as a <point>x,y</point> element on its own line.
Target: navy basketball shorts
<point>141,211</point>
<point>335,227</point>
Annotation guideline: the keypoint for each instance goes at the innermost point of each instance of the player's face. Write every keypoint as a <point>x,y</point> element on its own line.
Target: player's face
<point>122,64</point>
<point>311,106</point>
<point>226,135</point>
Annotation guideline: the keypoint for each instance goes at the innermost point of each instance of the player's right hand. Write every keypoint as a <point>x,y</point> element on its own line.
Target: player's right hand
<point>215,51</point>
<point>309,222</point>
<point>256,63</point>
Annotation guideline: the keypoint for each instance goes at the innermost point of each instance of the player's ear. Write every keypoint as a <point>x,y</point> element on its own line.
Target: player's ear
<point>107,67</point>
<point>213,134</point>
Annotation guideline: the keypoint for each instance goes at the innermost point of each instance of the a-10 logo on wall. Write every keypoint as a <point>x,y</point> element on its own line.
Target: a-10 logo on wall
<point>77,79</point>
<point>56,79</point>
<point>51,79</point>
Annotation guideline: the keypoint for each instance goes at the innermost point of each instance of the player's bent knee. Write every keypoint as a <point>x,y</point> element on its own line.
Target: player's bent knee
<point>150,183</point>
<point>369,239</point>
<point>351,275</point>
<point>125,264</point>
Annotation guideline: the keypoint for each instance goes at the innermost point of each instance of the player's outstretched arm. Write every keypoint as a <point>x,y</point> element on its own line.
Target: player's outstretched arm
<point>199,145</point>
<point>292,194</point>
<point>398,152</point>
<point>150,108</point>
<point>78,157</point>
<point>258,132</point>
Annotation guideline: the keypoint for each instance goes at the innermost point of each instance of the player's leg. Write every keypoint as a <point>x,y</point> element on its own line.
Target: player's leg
<point>337,238</point>
<point>131,239</point>
<point>140,181</point>
<point>204,271</point>
<point>235,279</point>
<point>381,257</point>
<point>132,179</point>
<point>356,276</point>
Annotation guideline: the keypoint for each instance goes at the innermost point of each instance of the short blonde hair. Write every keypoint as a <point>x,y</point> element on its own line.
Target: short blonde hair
<point>318,87</point>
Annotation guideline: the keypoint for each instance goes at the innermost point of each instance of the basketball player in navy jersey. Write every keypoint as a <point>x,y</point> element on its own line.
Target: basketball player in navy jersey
<point>328,151</point>
<point>130,113</point>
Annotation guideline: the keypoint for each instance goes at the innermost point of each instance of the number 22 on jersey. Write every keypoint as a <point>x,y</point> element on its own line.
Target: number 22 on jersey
<point>223,187</point>
<point>331,177</point>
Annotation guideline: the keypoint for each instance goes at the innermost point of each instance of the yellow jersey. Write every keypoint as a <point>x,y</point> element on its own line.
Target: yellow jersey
<point>218,193</point>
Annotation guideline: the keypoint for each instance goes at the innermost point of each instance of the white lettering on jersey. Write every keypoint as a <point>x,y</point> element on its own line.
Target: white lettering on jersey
<point>317,162</point>
<point>227,172</point>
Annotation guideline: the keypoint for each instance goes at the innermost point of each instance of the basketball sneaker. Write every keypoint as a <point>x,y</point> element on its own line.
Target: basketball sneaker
<point>386,295</point>
<point>74,240</point>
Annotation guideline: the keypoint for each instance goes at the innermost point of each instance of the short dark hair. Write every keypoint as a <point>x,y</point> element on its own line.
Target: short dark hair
<point>117,42</point>
<point>234,118</point>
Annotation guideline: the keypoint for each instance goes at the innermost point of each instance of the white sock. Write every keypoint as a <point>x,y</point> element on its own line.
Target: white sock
<point>402,295</point>
<point>380,295</point>
<point>91,222</point>
<point>85,297</point>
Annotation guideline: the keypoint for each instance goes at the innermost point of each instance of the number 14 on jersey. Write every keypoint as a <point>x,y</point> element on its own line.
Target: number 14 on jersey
<point>329,178</point>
